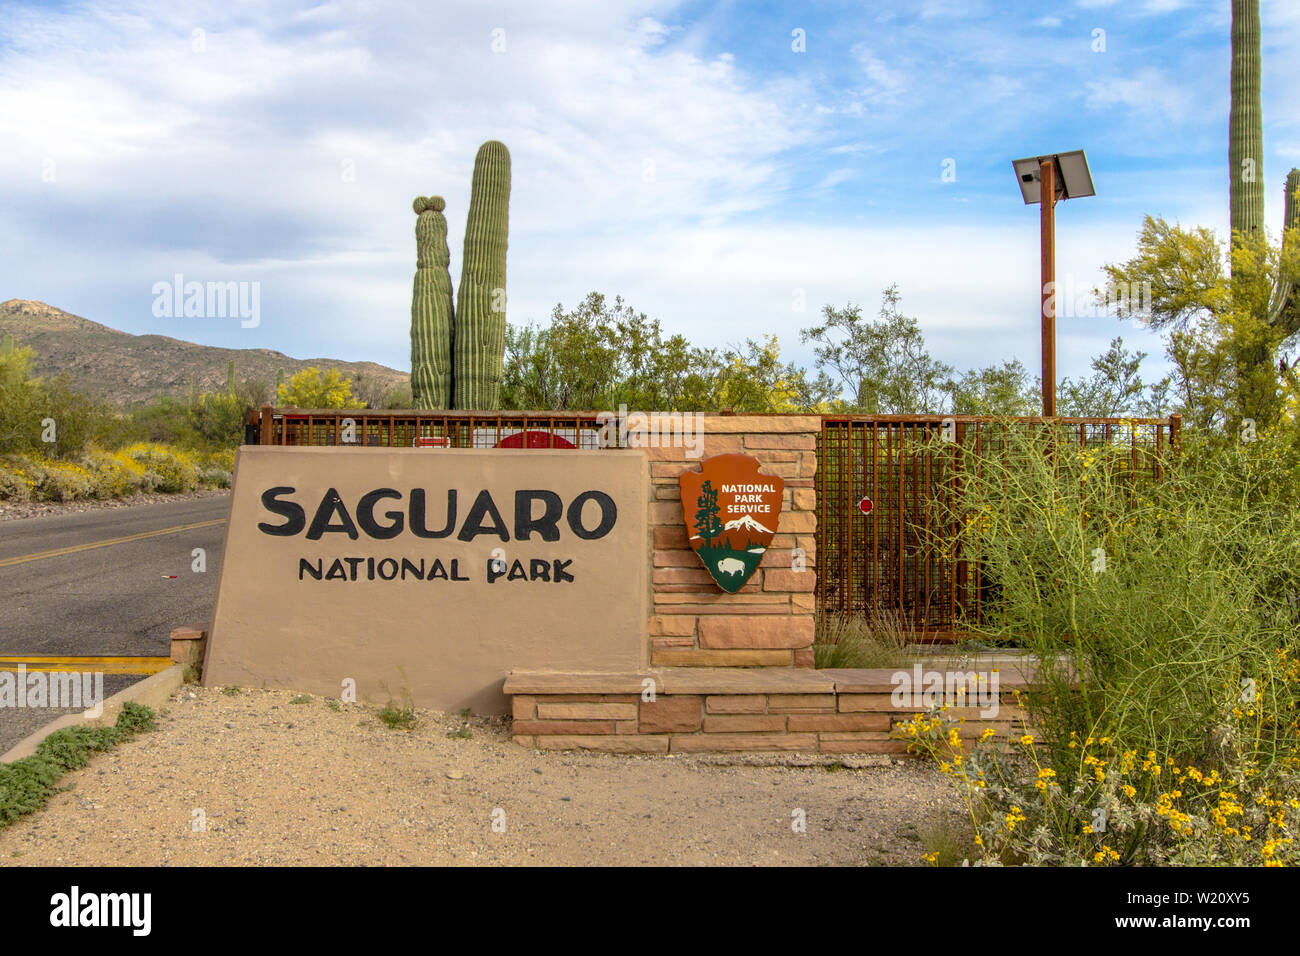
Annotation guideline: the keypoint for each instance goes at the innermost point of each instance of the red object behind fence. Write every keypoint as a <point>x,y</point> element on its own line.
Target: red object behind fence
<point>535,439</point>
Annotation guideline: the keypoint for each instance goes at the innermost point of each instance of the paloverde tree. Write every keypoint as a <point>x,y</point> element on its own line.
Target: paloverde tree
<point>883,365</point>
<point>996,390</point>
<point>1218,302</point>
<point>312,388</point>
<point>602,355</point>
<point>752,378</point>
<point>1115,387</point>
<point>1231,309</point>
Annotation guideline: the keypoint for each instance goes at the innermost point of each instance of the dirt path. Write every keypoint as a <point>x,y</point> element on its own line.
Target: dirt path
<point>301,783</point>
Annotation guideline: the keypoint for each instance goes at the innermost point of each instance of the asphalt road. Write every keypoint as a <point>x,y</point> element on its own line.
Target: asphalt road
<point>114,599</point>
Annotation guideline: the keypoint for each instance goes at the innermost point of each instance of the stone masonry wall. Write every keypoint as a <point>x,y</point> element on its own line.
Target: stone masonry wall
<point>703,710</point>
<point>769,622</point>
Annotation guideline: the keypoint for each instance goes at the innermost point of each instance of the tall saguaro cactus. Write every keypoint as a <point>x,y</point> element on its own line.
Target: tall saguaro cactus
<point>480,339</point>
<point>1246,127</point>
<point>432,313</point>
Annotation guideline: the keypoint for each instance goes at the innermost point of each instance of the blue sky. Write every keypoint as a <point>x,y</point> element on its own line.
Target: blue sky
<point>683,155</point>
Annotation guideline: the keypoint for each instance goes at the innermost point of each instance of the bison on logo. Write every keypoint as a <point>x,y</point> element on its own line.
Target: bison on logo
<point>731,514</point>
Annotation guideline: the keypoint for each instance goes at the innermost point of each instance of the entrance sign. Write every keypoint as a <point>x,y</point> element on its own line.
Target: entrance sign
<point>429,575</point>
<point>731,515</point>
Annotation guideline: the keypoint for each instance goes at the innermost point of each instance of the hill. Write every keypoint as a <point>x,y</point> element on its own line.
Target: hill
<point>129,369</point>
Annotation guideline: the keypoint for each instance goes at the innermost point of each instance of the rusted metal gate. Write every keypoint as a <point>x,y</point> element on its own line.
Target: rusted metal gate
<point>890,560</point>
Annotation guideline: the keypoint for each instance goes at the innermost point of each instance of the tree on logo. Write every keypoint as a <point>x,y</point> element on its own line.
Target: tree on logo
<point>707,523</point>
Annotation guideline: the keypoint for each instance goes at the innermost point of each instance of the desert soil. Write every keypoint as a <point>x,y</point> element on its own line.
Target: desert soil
<point>278,782</point>
<point>37,509</point>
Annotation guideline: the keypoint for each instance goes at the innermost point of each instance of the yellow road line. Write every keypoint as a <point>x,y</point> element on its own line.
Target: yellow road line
<point>39,555</point>
<point>106,665</point>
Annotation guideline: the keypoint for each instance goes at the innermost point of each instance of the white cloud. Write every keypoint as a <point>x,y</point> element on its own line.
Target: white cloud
<point>885,83</point>
<point>1147,92</point>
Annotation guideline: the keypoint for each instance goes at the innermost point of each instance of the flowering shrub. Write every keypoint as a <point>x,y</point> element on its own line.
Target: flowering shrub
<point>65,481</point>
<point>19,479</point>
<point>1165,614</point>
<point>141,467</point>
<point>168,469</point>
<point>1112,806</point>
<point>116,475</point>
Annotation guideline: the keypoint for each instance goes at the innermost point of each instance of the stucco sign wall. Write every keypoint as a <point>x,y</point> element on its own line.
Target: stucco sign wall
<point>429,571</point>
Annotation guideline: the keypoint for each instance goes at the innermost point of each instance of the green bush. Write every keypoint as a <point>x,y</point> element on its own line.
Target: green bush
<point>26,785</point>
<point>859,640</point>
<point>143,467</point>
<point>66,481</point>
<point>1165,613</point>
<point>115,474</point>
<point>19,479</point>
<point>167,469</point>
<point>217,418</point>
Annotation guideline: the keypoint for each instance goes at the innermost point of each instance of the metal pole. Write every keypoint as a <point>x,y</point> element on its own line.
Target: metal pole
<point>1047,200</point>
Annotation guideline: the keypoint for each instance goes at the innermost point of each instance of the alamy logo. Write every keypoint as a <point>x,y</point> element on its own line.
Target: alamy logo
<point>624,429</point>
<point>60,689</point>
<point>1078,300</point>
<point>75,908</point>
<point>208,300</point>
<point>930,690</point>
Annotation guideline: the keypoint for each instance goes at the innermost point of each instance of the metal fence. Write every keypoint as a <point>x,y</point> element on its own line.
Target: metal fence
<point>420,428</point>
<point>908,467</point>
<point>885,482</point>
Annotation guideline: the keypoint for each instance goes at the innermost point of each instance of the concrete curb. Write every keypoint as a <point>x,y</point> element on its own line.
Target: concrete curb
<point>153,692</point>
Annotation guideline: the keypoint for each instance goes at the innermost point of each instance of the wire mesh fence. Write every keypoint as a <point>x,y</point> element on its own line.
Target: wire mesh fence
<point>428,429</point>
<point>887,485</point>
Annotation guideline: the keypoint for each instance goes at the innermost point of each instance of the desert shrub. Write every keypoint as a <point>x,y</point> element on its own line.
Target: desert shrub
<point>875,639</point>
<point>217,418</point>
<point>1165,615</point>
<point>19,479</point>
<point>40,417</point>
<point>143,467</point>
<point>222,459</point>
<point>167,469</point>
<point>215,478</point>
<point>115,475</point>
<point>65,481</point>
<point>78,420</point>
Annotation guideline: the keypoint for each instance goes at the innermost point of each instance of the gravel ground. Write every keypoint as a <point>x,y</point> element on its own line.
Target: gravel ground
<point>279,782</point>
<point>37,509</point>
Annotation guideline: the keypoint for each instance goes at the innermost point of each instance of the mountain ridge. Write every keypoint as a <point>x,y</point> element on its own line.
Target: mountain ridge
<point>126,369</point>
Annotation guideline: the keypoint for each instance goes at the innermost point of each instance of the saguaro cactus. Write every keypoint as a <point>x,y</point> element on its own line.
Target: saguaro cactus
<point>1291,202</point>
<point>432,312</point>
<point>480,340</point>
<point>1246,128</point>
<point>1284,311</point>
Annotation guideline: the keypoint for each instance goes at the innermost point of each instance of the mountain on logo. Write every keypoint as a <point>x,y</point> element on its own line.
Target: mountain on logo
<point>746,523</point>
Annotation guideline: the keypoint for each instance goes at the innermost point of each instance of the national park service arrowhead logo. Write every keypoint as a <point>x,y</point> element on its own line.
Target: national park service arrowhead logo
<point>731,513</point>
